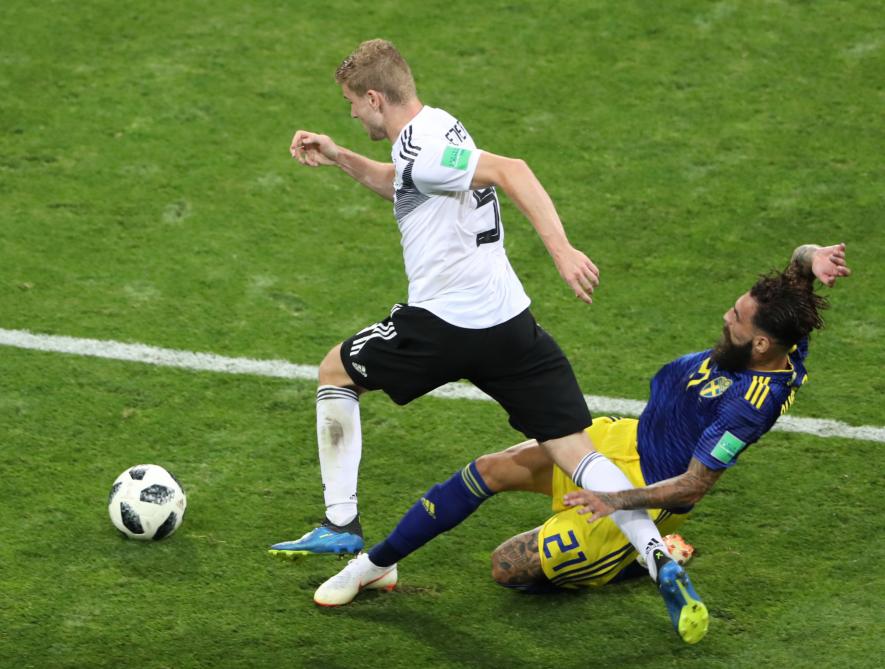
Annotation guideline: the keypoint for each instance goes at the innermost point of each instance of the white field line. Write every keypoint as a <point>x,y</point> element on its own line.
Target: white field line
<point>208,362</point>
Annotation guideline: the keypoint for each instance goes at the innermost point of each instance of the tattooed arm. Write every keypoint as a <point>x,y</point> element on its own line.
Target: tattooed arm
<point>683,490</point>
<point>826,263</point>
<point>516,562</point>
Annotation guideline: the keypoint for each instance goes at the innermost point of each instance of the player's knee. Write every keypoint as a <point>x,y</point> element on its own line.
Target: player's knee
<point>489,467</point>
<point>521,467</point>
<point>500,575</point>
<point>504,575</point>
<point>504,572</point>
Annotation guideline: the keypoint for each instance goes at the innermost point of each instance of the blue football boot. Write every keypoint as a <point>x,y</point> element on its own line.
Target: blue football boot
<point>687,611</point>
<point>328,538</point>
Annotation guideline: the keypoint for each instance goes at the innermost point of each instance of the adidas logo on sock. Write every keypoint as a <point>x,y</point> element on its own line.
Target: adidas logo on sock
<point>429,507</point>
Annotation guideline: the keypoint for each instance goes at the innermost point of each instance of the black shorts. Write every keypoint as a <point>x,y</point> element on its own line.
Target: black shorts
<point>413,352</point>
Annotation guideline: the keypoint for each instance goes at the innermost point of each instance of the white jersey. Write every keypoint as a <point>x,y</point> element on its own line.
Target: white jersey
<point>452,237</point>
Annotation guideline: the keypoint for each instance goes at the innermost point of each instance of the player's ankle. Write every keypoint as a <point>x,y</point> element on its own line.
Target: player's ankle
<point>656,556</point>
<point>343,523</point>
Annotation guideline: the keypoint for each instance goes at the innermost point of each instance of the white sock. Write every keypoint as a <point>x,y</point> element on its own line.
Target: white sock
<point>597,472</point>
<point>340,443</point>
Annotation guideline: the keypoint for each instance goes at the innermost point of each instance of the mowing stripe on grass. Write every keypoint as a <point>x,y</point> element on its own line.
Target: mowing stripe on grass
<point>208,362</point>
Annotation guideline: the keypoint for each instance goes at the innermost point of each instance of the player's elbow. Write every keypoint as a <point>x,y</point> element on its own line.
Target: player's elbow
<point>515,170</point>
<point>695,491</point>
<point>515,178</point>
<point>695,496</point>
<point>518,165</point>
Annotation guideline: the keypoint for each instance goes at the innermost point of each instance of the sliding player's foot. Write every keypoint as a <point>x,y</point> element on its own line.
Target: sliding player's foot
<point>687,611</point>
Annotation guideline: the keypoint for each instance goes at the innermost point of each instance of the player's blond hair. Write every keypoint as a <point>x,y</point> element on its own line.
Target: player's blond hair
<point>377,65</point>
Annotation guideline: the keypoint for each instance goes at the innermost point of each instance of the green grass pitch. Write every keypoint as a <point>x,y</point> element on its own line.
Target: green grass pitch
<point>146,195</point>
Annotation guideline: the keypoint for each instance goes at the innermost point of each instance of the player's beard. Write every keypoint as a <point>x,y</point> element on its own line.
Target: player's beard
<point>730,356</point>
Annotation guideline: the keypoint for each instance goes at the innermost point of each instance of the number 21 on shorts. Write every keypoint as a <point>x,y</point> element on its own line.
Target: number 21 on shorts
<point>564,548</point>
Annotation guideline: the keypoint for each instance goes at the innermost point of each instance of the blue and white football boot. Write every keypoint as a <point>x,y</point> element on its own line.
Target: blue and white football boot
<point>326,539</point>
<point>687,612</point>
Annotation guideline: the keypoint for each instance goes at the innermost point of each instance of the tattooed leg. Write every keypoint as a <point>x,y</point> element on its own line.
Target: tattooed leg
<point>516,563</point>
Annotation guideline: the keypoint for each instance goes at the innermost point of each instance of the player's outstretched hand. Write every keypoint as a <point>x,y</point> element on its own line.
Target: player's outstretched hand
<point>828,264</point>
<point>579,272</point>
<point>595,503</point>
<point>313,150</point>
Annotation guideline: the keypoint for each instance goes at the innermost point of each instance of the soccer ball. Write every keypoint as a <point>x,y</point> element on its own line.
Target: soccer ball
<point>146,502</point>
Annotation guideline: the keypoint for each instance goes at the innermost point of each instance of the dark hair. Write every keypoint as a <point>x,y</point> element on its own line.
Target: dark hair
<point>788,309</point>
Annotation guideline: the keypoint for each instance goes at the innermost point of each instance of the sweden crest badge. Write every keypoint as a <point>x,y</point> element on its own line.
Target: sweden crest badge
<point>716,387</point>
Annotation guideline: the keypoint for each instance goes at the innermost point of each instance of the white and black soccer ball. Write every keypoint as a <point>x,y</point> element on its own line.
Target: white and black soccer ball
<point>146,502</point>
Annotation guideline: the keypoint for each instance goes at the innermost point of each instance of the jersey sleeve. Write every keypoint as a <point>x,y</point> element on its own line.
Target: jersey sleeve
<point>738,425</point>
<point>800,351</point>
<point>444,168</point>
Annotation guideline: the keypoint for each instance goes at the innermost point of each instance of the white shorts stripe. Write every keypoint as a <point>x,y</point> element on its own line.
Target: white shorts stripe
<point>379,331</point>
